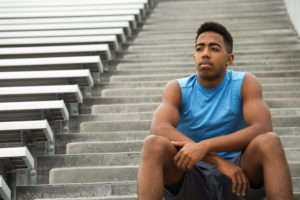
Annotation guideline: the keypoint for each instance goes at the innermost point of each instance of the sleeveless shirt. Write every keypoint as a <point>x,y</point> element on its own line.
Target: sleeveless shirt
<point>208,113</point>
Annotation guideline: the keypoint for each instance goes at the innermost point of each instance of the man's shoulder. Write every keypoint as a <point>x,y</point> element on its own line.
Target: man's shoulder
<point>237,75</point>
<point>187,81</point>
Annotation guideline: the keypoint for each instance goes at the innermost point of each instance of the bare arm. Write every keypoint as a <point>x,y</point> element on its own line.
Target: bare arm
<point>166,116</point>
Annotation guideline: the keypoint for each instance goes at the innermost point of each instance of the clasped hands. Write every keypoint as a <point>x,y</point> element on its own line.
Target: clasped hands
<point>189,153</point>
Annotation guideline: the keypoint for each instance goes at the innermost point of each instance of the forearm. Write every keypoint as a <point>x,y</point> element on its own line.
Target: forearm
<point>236,141</point>
<point>169,132</point>
<point>213,158</point>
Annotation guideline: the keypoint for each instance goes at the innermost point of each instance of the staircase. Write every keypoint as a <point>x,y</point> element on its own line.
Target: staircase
<point>99,158</point>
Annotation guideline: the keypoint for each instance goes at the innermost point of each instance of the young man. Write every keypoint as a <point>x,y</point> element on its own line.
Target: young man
<point>211,135</point>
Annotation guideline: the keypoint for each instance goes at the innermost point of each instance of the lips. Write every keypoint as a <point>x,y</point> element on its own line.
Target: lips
<point>205,64</point>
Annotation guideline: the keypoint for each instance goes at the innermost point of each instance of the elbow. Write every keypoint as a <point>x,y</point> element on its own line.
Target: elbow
<point>158,129</point>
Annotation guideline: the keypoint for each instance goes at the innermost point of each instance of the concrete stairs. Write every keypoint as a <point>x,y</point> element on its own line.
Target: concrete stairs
<point>99,158</point>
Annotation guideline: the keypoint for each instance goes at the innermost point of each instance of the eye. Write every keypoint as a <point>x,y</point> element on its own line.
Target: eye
<point>215,49</point>
<point>199,49</point>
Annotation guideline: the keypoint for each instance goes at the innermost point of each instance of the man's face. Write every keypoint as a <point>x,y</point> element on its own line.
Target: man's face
<point>211,57</point>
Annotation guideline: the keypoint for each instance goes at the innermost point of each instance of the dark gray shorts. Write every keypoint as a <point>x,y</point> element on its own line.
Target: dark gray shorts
<point>206,182</point>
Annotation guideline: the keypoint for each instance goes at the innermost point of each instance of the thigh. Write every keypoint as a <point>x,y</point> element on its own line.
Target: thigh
<point>251,164</point>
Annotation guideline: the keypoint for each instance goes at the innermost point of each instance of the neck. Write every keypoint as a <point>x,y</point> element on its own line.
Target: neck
<point>210,83</point>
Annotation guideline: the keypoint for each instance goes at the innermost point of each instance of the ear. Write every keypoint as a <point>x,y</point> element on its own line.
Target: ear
<point>230,58</point>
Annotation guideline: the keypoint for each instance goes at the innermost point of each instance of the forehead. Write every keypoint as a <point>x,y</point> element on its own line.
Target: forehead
<point>210,37</point>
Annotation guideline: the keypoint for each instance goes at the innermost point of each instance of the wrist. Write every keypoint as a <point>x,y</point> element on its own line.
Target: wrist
<point>205,145</point>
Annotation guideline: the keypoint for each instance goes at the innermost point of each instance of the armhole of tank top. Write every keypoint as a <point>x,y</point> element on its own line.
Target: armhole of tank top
<point>182,97</point>
<point>241,85</point>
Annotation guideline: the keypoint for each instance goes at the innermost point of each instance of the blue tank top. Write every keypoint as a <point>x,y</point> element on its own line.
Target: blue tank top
<point>208,113</point>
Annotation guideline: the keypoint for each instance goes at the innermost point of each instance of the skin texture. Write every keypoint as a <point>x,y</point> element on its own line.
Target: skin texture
<point>263,160</point>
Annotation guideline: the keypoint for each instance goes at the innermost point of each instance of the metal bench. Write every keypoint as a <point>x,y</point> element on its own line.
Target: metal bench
<point>55,63</point>
<point>12,159</point>
<point>54,111</point>
<point>69,93</point>
<point>105,39</point>
<point>55,20</point>
<point>72,7</point>
<point>5,192</point>
<point>81,77</point>
<point>33,110</point>
<point>8,4</point>
<point>120,12</point>
<point>75,50</point>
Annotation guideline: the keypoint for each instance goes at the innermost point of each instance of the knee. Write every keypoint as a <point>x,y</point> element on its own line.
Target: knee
<point>155,145</point>
<point>267,142</point>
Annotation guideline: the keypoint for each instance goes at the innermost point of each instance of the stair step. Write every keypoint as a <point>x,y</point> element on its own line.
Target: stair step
<point>167,77</point>
<point>45,164</point>
<point>125,197</point>
<point>93,190</point>
<point>102,147</point>
<point>85,190</point>
<point>93,174</point>
<point>124,108</point>
<point>141,125</point>
<point>110,173</point>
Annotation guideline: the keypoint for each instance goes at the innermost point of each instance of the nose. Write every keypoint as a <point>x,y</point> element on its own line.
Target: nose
<point>206,53</point>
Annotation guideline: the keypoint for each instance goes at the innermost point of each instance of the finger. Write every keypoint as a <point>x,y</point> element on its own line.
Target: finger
<point>245,184</point>
<point>239,185</point>
<point>180,163</point>
<point>189,167</point>
<point>177,157</point>
<point>184,165</point>
<point>234,184</point>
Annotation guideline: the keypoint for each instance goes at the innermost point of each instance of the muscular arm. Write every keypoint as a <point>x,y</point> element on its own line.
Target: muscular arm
<point>257,117</point>
<point>166,116</point>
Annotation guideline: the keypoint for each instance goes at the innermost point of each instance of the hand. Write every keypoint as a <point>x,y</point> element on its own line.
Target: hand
<point>189,154</point>
<point>239,179</point>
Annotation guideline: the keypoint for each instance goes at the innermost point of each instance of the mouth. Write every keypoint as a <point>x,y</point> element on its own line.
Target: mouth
<point>205,64</point>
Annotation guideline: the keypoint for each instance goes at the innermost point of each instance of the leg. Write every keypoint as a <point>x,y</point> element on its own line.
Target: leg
<point>264,162</point>
<point>157,168</point>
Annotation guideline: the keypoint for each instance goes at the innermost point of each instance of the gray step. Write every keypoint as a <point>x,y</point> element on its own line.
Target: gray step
<point>122,92</point>
<point>110,173</point>
<point>143,125</point>
<point>76,190</point>
<point>92,190</point>
<point>125,197</point>
<point>147,115</point>
<point>155,84</point>
<point>249,33</point>
<point>93,174</point>
<point>161,66</point>
<point>279,101</point>
<point>121,108</point>
<point>136,146</point>
<point>112,100</point>
<point>104,147</point>
<point>166,77</point>
<point>63,139</point>
<point>46,163</point>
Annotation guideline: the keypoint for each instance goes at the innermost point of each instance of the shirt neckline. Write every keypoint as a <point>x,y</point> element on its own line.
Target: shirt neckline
<point>224,81</point>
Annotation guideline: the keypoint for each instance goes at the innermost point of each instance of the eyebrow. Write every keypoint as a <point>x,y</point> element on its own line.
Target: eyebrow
<point>210,44</point>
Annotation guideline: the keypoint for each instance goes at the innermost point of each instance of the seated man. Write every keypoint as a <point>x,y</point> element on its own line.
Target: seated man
<point>211,135</point>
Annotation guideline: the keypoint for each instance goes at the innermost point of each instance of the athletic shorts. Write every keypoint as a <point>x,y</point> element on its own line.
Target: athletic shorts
<point>205,182</point>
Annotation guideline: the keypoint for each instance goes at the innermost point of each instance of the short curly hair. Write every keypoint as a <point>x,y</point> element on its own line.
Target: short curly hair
<point>217,28</point>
